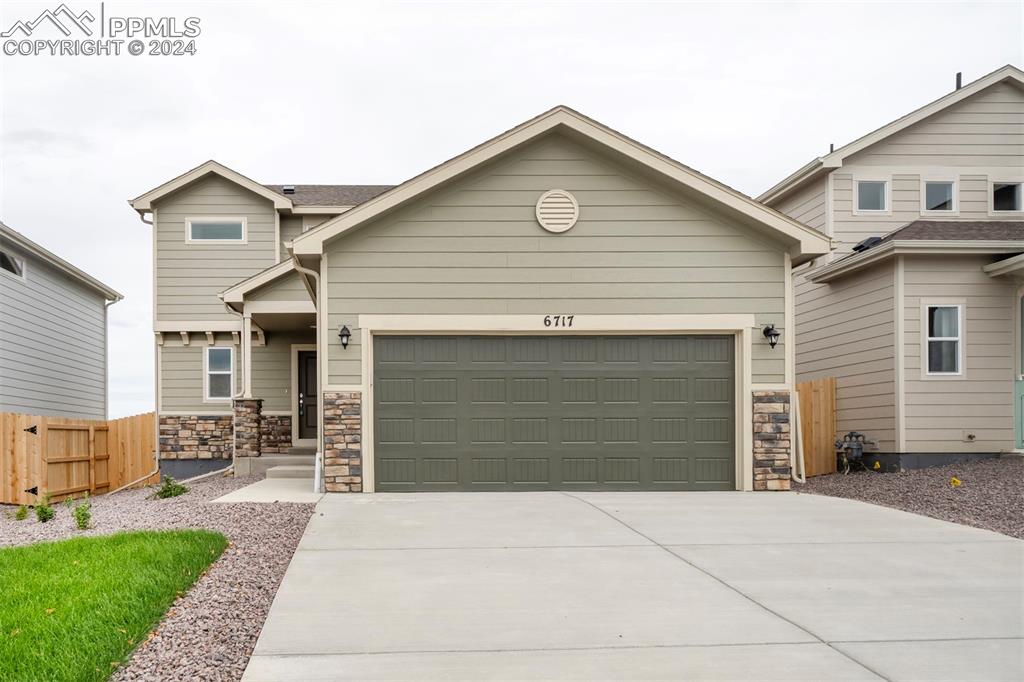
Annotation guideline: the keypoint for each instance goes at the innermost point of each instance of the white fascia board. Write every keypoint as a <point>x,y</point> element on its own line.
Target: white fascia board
<point>144,202</point>
<point>1009,266</point>
<point>805,241</point>
<point>236,293</point>
<point>197,326</point>
<point>319,210</point>
<point>843,267</point>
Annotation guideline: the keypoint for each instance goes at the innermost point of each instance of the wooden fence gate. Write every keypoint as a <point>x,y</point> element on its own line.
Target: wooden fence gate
<point>818,425</point>
<point>64,457</point>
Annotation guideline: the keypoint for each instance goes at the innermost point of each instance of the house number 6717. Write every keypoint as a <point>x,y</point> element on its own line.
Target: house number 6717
<point>558,320</point>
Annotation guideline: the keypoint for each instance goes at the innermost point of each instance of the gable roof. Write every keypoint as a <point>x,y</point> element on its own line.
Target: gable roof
<point>59,263</point>
<point>144,202</point>
<point>236,292</point>
<point>330,195</point>
<point>821,165</point>
<point>968,230</point>
<point>804,242</point>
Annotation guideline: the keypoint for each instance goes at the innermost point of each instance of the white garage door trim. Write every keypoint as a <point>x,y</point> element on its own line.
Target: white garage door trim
<point>740,326</point>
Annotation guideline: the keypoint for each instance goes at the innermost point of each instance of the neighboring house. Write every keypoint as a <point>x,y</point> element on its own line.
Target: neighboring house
<point>558,308</point>
<point>920,323</point>
<point>53,333</point>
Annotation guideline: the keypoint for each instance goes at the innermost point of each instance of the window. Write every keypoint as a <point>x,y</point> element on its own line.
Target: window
<point>216,230</point>
<point>1006,196</point>
<point>872,195</point>
<point>939,196</point>
<point>944,339</point>
<point>11,264</point>
<point>219,375</point>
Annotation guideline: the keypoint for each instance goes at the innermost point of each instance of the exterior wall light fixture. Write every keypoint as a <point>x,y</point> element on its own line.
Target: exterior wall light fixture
<point>345,334</point>
<point>772,334</point>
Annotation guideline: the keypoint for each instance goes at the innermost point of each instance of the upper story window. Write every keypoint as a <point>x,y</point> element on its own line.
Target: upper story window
<point>11,264</point>
<point>219,373</point>
<point>216,230</point>
<point>1006,196</point>
<point>872,195</point>
<point>944,339</point>
<point>939,196</point>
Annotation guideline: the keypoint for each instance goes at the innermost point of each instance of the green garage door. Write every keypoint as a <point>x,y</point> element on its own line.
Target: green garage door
<point>554,413</point>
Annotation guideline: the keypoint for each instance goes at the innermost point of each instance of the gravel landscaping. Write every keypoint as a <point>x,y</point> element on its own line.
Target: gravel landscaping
<point>990,495</point>
<point>209,633</point>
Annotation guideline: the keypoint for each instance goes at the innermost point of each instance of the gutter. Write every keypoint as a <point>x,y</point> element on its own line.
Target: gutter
<point>856,261</point>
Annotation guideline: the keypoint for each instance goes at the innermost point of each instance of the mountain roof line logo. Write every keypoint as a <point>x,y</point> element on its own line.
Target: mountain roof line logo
<point>53,17</point>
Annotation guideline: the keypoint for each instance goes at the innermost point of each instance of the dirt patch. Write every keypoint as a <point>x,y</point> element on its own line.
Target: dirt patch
<point>990,494</point>
<point>210,632</point>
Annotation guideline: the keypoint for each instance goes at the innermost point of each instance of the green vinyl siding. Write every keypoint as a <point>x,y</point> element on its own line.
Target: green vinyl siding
<point>554,412</point>
<point>475,248</point>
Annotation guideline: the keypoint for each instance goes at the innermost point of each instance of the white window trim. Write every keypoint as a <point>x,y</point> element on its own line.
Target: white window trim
<point>24,266</point>
<point>206,374</point>
<point>217,219</point>
<point>961,340</point>
<point>887,180</point>
<point>925,179</point>
<point>1001,179</point>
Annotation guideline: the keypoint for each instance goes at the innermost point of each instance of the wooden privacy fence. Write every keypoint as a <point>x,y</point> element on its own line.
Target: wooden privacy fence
<point>818,425</point>
<point>70,456</point>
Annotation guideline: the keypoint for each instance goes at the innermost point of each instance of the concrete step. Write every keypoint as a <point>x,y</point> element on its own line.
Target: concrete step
<point>291,471</point>
<point>301,450</point>
<point>254,466</point>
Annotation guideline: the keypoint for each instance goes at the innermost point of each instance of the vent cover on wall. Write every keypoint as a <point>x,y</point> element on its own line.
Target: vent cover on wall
<point>557,210</point>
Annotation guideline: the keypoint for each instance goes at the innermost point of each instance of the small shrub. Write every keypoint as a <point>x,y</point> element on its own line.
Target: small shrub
<point>83,513</point>
<point>170,488</point>
<point>69,502</point>
<point>44,512</point>
<point>21,514</point>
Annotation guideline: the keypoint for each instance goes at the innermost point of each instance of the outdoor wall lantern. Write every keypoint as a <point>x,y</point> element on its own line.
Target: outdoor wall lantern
<point>772,334</point>
<point>345,334</point>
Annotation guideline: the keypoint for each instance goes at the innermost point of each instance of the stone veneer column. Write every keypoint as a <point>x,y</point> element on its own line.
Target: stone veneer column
<point>248,416</point>
<point>772,443</point>
<point>343,435</point>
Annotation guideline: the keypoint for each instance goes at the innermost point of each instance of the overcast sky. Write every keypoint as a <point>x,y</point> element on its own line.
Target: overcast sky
<point>327,92</point>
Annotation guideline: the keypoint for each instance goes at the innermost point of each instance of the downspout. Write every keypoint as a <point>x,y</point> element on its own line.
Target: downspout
<point>236,394</point>
<point>798,472</point>
<point>318,468</point>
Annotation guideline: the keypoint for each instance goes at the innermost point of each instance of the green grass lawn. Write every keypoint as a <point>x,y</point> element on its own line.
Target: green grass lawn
<point>76,609</point>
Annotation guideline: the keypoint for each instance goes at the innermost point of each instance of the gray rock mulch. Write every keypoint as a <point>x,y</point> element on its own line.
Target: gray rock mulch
<point>208,633</point>
<point>990,494</point>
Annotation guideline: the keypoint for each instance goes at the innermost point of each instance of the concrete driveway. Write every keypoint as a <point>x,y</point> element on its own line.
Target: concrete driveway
<point>695,586</point>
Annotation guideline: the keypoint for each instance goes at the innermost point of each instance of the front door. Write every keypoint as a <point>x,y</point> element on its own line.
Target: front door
<point>307,394</point>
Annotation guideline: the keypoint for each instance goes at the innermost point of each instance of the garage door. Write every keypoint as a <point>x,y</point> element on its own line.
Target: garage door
<point>554,413</point>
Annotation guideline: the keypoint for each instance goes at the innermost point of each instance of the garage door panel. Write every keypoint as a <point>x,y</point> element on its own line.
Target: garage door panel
<point>536,413</point>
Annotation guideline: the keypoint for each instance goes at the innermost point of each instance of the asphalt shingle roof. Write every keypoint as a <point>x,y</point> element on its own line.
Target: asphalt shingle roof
<point>331,195</point>
<point>979,230</point>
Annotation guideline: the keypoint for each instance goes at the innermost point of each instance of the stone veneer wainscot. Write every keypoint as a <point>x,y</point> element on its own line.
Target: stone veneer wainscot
<point>772,442</point>
<point>343,435</point>
<point>196,437</point>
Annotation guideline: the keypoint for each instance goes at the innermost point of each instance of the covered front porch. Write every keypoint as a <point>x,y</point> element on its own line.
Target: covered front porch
<point>277,412</point>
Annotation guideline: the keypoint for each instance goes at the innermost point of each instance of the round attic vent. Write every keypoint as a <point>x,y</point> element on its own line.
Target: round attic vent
<point>557,210</point>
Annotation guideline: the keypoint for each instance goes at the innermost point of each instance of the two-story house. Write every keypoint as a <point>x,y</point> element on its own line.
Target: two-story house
<point>559,307</point>
<point>918,311</point>
<point>53,333</point>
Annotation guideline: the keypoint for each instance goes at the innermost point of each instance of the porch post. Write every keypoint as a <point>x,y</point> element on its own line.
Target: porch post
<point>247,355</point>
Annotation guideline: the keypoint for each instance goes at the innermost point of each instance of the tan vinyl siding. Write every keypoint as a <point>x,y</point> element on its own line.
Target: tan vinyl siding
<point>847,330</point>
<point>52,343</point>
<point>970,142</point>
<point>808,205</point>
<point>939,411</point>
<point>189,276</point>
<point>476,248</point>
<point>272,369</point>
<point>291,227</point>
<point>181,375</point>
<point>181,372</point>
<point>286,288</point>
<point>984,130</point>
